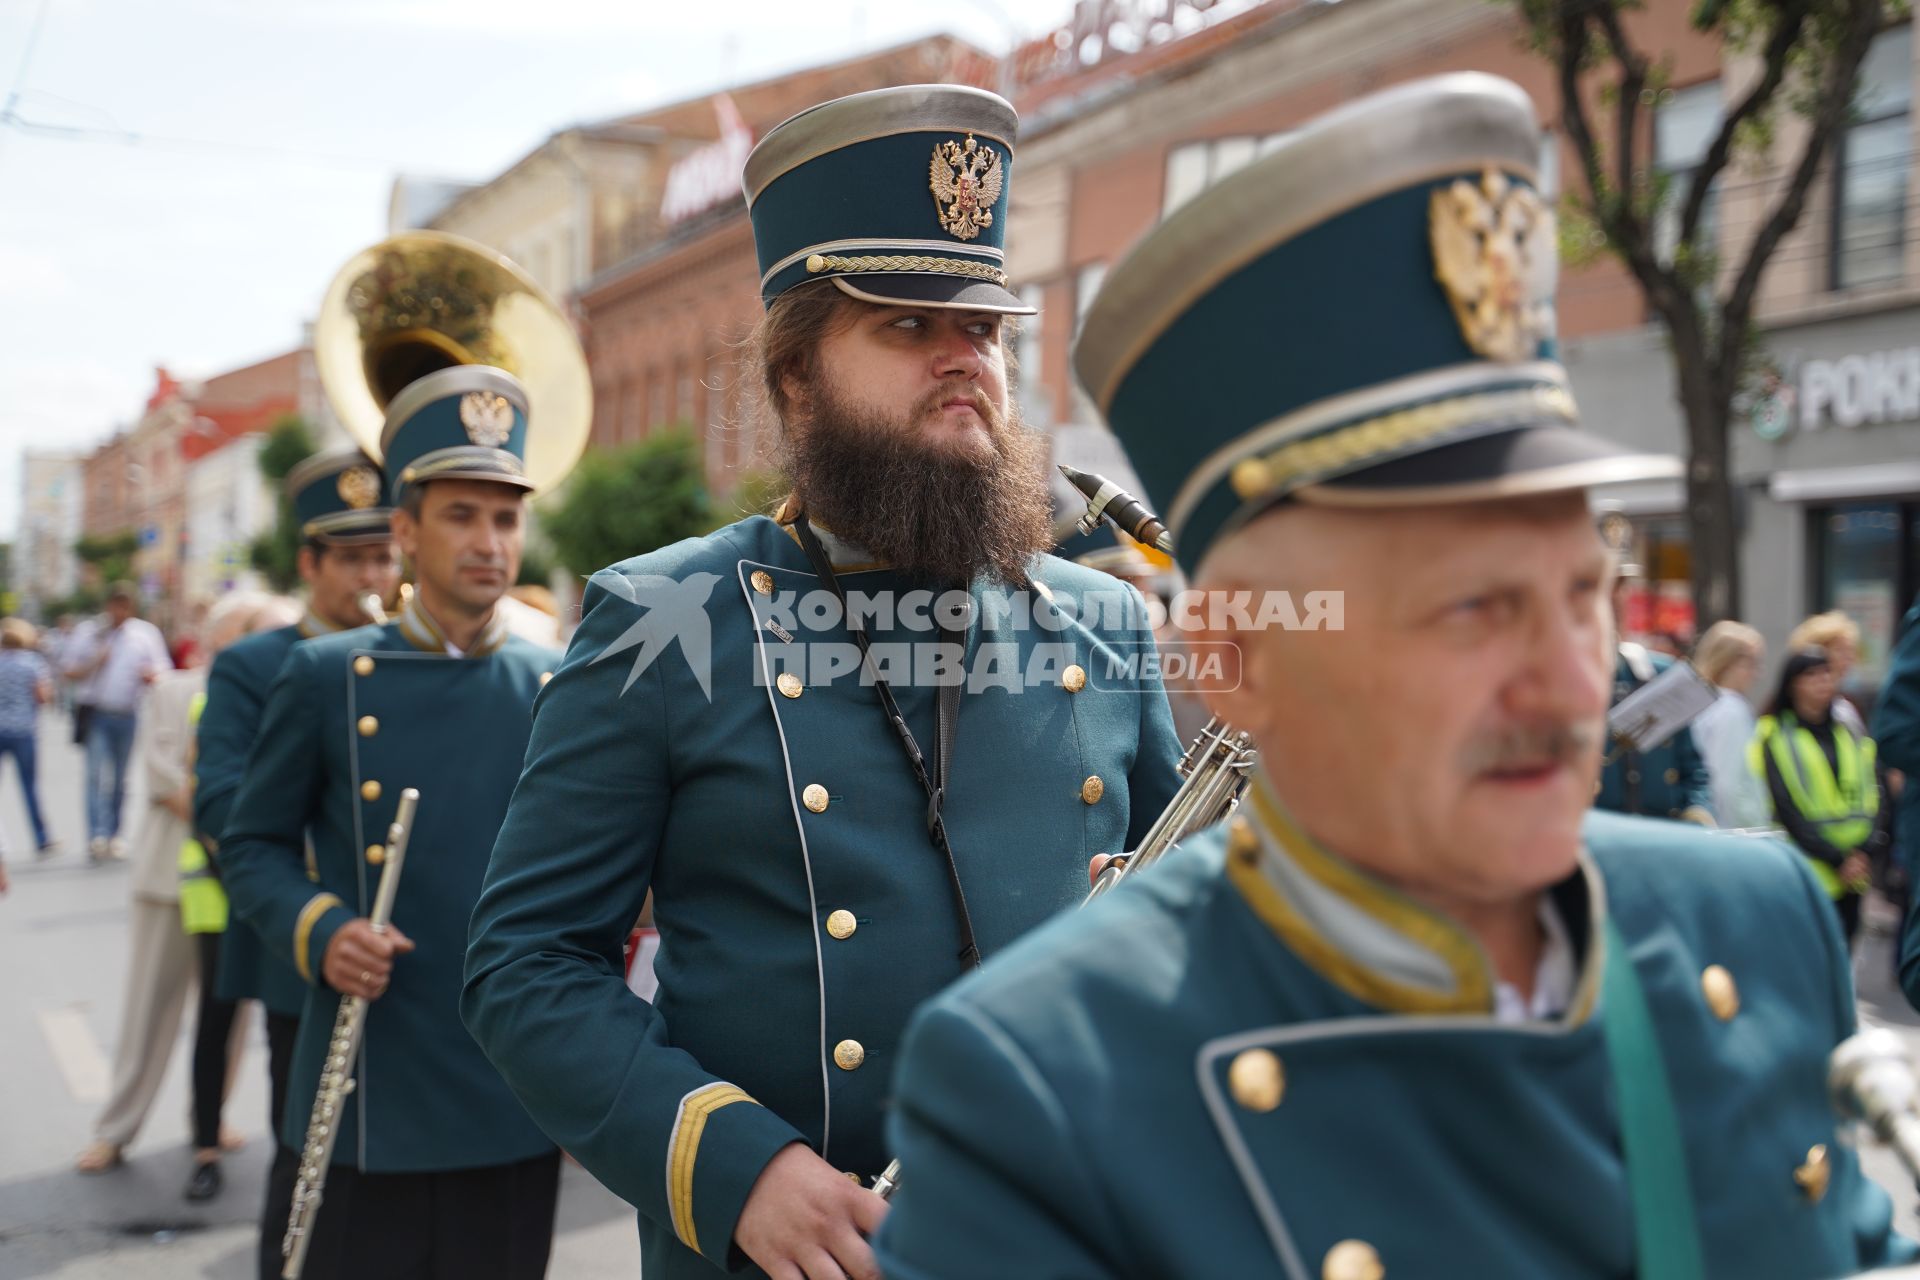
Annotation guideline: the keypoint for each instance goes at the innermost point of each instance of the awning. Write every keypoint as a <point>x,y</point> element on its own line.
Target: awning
<point>1874,480</point>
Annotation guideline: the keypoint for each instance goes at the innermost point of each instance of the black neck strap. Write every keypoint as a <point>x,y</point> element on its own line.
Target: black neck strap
<point>948,700</point>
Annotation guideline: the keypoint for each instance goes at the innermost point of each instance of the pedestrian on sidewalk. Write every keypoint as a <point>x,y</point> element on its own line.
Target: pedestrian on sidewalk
<point>1827,789</point>
<point>117,662</point>
<point>161,960</point>
<point>26,685</point>
<point>1729,654</point>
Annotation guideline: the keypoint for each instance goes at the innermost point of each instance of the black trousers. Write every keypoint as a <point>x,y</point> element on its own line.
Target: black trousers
<point>212,1031</point>
<point>282,1030</point>
<point>494,1223</point>
<point>1848,906</point>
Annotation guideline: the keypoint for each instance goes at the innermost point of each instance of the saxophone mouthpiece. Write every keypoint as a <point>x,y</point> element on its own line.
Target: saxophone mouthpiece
<point>1108,501</point>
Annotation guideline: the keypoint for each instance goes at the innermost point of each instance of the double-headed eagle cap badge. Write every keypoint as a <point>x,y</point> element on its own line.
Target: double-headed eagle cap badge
<point>1494,253</point>
<point>965,180</point>
<point>358,487</point>
<point>488,418</point>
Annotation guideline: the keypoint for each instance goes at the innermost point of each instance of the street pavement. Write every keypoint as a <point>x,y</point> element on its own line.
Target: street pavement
<point>62,967</point>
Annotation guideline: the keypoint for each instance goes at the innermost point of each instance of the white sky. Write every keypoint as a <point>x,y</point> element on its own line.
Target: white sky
<point>115,258</point>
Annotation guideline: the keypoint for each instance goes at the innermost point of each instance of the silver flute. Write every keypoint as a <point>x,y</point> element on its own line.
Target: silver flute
<point>336,1070</point>
<point>1217,763</point>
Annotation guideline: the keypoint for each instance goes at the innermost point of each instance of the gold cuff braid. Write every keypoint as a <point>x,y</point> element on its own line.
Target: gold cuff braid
<point>817,263</point>
<point>303,929</point>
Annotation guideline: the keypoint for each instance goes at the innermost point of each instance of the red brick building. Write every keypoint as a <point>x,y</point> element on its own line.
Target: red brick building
<point>664,326</point>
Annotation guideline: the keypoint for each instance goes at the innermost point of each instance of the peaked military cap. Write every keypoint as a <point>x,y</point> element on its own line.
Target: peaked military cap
<point>899,196</point>
<point>1363,317</point>
<point>468,422</point>
<point>337,498</point>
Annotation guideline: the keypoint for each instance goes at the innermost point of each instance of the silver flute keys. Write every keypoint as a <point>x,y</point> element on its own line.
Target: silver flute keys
<point>343,1050</point>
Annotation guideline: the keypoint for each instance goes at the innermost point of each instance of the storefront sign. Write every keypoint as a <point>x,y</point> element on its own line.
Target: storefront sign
<point>1854,390</point>
<point>709,175</point>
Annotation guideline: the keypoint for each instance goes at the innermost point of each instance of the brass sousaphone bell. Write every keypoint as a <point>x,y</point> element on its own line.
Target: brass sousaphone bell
<point>425,300</point>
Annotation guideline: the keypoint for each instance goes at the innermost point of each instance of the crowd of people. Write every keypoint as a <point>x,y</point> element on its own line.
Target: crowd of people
<point>1411,961</point>
<point>1799,762</point>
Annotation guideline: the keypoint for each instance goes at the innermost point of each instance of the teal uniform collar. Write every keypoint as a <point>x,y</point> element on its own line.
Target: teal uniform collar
<point>312,624</point>
<point>424,634</point>
<point>1371,940</point>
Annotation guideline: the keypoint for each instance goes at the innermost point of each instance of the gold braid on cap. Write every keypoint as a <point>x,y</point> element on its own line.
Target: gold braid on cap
<point>817,263</point>
<point>1336,450</point>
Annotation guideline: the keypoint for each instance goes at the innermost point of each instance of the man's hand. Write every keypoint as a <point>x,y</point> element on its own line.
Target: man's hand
<point>804,1218</point>
<point>1095,866</point>
<point>1856,870</point>
<point>359,961</point>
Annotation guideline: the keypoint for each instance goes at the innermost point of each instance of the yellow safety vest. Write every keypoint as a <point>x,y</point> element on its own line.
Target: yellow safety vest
<point>1842,808</point>
<point>203,899</point>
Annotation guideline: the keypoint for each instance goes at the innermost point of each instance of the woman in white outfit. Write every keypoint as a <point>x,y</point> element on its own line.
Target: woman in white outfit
<point>1730,655</point>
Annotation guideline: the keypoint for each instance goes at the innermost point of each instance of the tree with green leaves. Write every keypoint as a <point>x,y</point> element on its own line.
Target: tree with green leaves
<point>1807,55</point>
<point>276,553</point>
<point>627,501</point>
<point>110,559</point>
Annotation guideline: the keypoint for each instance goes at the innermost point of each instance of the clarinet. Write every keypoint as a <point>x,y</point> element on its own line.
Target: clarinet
<point>336,1071</point>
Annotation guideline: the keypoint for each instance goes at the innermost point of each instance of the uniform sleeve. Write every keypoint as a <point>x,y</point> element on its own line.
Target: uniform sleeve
<point>545,996</point>
<point>229,724</point>
<point>993,1178</point>
<point>263,857</point>
<point>1156,774</point>
<point>1896,719</point>
<point>1696,780</point>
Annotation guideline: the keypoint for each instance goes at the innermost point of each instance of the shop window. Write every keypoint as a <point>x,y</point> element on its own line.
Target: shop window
<point>1683,128</point>
<point>1865,575</point>
<point>1871,163</point>
<point>1658,610</point>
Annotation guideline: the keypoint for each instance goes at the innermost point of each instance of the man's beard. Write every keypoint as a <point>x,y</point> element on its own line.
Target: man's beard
<point>934,514</point>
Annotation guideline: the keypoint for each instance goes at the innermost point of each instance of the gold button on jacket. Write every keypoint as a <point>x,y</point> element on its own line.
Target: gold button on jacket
<point>1723,996</point>
<point>848,1055</point>
<point>762,582</point>
<point>376,854</point>
<point>368,726</point>
<point>1074,678</point>
<point>1256,1079</point>
<point>370,790</point>
<point>814,797</point>
<point>1353,1260</point>
<point>790,685</point>
<point>363,665</point>
<point>841,924</point>
<point>1092,789</point>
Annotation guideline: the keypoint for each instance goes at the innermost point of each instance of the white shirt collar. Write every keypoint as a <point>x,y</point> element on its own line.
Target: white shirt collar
<point>1553,979</point>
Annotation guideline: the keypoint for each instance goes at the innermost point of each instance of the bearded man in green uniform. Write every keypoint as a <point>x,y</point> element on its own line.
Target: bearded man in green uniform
<point>832,829</point>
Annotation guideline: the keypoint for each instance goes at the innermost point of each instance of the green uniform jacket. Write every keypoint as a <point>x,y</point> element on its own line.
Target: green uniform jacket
<point>803,912</point>
<point>1896,733</point>
<point>1662,783</point>
<point>229,727</point>
<point>1164,1084</point>
<point>353,719</point>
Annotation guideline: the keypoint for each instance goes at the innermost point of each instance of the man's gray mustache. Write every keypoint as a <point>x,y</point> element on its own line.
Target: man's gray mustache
<point>1534,746</point>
